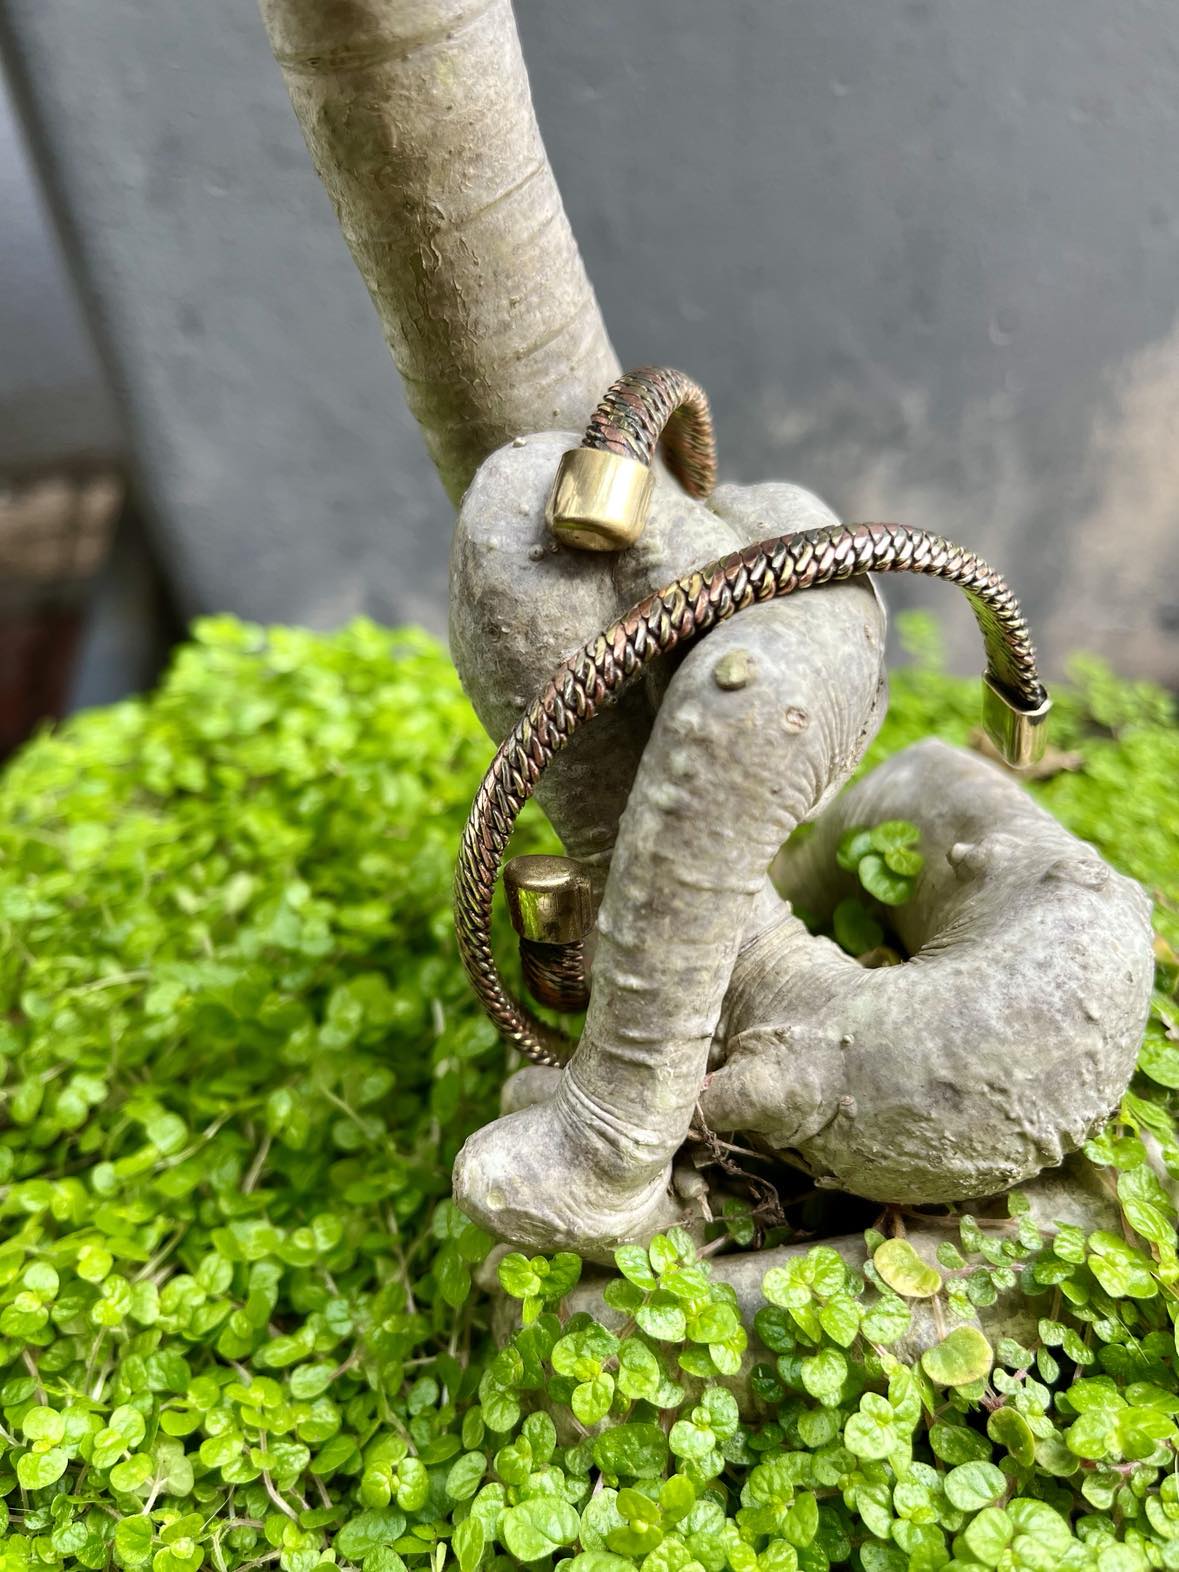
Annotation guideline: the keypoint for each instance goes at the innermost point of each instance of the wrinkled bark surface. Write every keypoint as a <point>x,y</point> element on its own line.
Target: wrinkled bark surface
<point>793,689</point>
<point>993,1053</point>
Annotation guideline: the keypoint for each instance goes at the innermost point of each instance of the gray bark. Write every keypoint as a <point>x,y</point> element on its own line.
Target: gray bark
<point>418,117</point>
<point>1011,1032</point>
<point>757,729</point>
<point>993,1053</point>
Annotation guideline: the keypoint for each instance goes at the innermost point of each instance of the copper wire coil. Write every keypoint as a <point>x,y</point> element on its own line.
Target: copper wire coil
<point>555,974</point>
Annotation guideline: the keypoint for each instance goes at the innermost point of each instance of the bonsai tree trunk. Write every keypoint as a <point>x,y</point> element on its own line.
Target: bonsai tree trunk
<point>707,993</point>
<point>418,116</point>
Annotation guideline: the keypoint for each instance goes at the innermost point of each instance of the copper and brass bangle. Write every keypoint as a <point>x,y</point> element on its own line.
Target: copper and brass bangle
<point>651,405</point>
<point>1015,700</point>
<point>600,496</point>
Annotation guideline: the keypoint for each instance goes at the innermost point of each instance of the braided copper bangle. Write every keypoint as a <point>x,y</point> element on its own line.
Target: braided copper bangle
<point>602,489</point>
<point>653,404</point>
<point>1015,700</point>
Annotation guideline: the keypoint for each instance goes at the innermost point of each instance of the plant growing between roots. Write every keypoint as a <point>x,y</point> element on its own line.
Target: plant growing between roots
<point>237,1320</point>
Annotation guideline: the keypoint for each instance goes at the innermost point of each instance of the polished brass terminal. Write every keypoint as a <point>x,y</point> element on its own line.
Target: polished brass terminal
<point>599,500</point>
<point>550,899</point>
<point>1019,734</point>
<point>552,908</point>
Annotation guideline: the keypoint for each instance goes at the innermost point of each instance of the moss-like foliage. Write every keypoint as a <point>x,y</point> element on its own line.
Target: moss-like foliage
<point>237,1322</point>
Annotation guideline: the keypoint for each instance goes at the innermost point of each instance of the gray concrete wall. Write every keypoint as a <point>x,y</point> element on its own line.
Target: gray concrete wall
<point>54,402</point>
<point>923,253</point>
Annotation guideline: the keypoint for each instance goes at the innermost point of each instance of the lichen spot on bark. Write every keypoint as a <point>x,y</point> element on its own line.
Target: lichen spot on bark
<point>733,670</point>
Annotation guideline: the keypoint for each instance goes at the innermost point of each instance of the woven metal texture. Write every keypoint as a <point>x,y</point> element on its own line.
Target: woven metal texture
<point>651,404</point>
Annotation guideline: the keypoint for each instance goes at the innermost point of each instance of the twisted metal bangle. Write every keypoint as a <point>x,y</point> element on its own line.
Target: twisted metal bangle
<point>656,403</point>
<point>595,675</point>
<point>556,974</point>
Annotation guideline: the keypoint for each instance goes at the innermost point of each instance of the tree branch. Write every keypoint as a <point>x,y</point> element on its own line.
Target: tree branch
<point>418,117</point>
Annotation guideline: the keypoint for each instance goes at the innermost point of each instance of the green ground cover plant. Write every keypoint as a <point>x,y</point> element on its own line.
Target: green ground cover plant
<point>238,1325</point>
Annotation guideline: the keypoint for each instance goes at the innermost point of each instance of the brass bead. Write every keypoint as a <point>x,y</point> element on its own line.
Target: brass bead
<point>550,899</point>
<point>1020,735</point>
<point>599,500</point>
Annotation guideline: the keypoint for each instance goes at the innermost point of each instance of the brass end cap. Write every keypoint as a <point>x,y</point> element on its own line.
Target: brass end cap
<point>1020,735</point>
<point>599,500</point>
<point>550,899</point>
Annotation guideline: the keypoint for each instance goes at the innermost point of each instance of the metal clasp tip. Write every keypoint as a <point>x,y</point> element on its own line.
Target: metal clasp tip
<point>599,500</point>
<point>1019,734</point>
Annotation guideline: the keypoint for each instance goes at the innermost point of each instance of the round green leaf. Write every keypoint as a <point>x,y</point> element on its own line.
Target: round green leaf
<point>591,1399</point>
<point>43,1424</point>
<point>823,1375</point>
<point>466,1475</point>
<point>662,1318</point>
<point>35,1470</point>
<point>638,1369</point>
<point>905,861</point>
<point>869,1438</point>
<point>517,1276</point>
<point>468,1543</point>
<point>368,1531</point>
<point>1010,1429</point>
<point>134,1537</point>
<point>538,1526</point>
<point>94,1262</point>
<point>840,1319</point>
<point>887,1320</point>
<point>1159,1058</point>
<point>637,1451</point>
<point>635,1265</point>
<point>133,1473</point>
<point>853,845</point>
<point>960,1358</point>
<point>891,889</point>
<point>856,930</point>
<point>894,835</point>
<point>956,1444</point>
<point>903,1270</point>
<point>973,1486</point>
<point>988,1535</point>
<point>41,1279</point>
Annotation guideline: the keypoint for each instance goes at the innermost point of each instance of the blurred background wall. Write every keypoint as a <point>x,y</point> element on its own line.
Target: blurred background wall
<point>924,254</point>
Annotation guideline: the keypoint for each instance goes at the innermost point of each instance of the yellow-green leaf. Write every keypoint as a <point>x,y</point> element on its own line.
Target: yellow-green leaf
<point>903,1270</point>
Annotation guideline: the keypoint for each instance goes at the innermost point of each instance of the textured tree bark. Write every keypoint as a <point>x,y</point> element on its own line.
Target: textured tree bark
<point>762,722</point>
<point>418,117</point>
<point>988,1057</point>
<point>993,1053</point>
